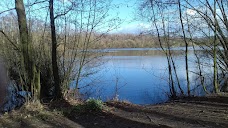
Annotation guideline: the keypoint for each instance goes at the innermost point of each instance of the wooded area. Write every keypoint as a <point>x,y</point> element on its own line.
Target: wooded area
<point>200,23</point>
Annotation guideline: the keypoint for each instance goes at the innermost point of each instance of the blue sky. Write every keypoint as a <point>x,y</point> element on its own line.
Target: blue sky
<point>126,10</point>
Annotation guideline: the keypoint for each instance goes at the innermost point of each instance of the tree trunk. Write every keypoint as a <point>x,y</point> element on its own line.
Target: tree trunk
<point>25,46</point>
<point>32,80</point>
<point>3,83</point>
<point>23,30</point>
<point>58,93</point>
<point>216,88</point>
<point>186,48</point>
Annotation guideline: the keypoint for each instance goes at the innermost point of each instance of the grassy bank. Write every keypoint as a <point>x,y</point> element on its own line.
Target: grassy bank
<point>209,111</point>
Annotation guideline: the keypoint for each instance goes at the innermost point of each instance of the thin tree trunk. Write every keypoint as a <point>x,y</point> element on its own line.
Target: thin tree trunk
<point>216,88</point>
<point>186,49</point>
<point>177,78</point>
<point>201,77</point>
<point>167,53</point>
<point>58,93</point>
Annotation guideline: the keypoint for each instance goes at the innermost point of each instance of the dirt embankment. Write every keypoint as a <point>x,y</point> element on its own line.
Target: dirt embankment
<point>209,112</point>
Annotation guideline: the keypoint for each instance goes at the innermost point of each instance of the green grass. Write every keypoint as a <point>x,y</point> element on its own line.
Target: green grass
<point>91,105</point>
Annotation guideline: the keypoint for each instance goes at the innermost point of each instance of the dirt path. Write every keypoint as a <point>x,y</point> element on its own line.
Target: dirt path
<point>177,114</point>
<point>209,112</point>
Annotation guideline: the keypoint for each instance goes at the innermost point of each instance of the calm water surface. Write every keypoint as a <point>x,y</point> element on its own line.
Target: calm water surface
<point>137,75</point>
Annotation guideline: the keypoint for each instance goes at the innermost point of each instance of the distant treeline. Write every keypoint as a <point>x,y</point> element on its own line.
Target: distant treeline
<point>131,41</point>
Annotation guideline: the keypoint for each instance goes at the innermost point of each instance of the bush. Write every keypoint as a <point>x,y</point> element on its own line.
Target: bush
<point>91,105</point>
<point>94,105</point>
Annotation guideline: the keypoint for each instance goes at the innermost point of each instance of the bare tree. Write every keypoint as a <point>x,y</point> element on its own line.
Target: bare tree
<point>186,47</point>
<point>212,17</point>
<point>74,28</point>
<point>155,11</point>
<point>55,67</point>
<point>31,75</point>
<point>24,38</point>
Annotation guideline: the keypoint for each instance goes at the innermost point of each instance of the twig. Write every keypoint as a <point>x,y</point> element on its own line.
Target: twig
<point>149,118</point>
<point>7,10</point>
<point>10,40</point>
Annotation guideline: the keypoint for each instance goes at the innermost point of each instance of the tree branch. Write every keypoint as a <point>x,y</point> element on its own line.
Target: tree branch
<point>16,47</point>
<point>7,10</point>
<point>36,2</point>
<point>64,13</point>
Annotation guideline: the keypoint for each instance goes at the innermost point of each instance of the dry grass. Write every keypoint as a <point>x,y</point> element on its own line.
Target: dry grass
<point>34,114</point>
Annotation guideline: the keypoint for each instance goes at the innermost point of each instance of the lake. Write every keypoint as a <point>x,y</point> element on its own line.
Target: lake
<point>138,75</point>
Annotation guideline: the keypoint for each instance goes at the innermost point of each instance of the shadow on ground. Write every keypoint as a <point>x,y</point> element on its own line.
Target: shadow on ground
<point>105,119</point>
<point>192,112</point>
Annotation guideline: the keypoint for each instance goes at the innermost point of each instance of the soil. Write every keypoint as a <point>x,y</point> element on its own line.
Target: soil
<point>196,112</point>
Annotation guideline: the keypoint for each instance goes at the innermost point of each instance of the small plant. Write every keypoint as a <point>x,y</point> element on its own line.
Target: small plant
<point>91,105</point>
<point>94,104</point>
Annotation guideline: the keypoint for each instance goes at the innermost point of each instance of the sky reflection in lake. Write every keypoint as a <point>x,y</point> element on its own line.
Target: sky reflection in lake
<point>141,76</point>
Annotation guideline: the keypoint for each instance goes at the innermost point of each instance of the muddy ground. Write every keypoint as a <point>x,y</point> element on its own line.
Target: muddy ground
<point>210,112</point>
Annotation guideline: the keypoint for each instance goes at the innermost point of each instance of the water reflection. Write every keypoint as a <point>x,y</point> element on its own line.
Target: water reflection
<point>140,52</point>
<point>139,76</point>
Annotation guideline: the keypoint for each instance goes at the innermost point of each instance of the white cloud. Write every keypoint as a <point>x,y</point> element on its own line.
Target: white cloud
<point>144,26</point>
<point>190,12</point>
<point>133,28</point>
